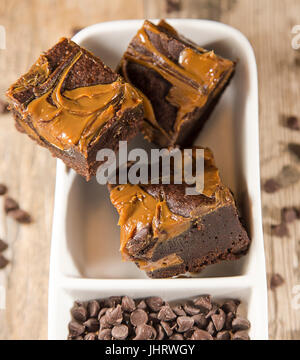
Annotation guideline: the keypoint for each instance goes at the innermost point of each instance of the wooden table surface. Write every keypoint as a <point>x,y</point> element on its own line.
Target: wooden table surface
<point>29,171</point>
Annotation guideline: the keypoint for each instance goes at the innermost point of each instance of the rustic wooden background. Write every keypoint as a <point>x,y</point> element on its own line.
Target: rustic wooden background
<point>29,171</point>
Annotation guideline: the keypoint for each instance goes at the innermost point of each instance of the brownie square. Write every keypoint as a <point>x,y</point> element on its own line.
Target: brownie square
<point>168,233</point>
<point>74,105</point>
<point>179,81</point>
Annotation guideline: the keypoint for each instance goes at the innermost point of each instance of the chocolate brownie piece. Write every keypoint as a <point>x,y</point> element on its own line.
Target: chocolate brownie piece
<point>74,105</point>
<point>167,232</point>
<point>180,82</point>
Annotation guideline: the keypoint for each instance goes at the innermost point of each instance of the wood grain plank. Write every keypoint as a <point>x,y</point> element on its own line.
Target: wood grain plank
<point>29,171</point>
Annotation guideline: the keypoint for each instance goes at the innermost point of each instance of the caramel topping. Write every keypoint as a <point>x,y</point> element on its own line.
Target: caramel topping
<point>138,209</point>
<point>170,260</point>
<point>192,79</point>
<point>76,117</point>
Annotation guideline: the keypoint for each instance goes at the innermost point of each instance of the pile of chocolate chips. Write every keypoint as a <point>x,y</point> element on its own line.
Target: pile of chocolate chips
<point>123,318</point>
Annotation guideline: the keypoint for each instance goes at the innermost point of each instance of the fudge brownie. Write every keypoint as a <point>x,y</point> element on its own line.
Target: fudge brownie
<point>179,81</point>
<point>74,105</point>
<point>168,233</point>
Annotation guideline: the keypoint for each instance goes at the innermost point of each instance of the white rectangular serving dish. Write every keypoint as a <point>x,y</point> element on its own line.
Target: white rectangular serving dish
<point>85,260</point>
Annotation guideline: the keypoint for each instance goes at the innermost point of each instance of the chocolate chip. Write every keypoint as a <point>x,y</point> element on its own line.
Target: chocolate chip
<point>20,216</point>
<point>155,303</point>
<point>90,336</point>
<point>128,304</point>
<point>102,312</point>
<point>144,332</point>
<point>240,323</point>
<point>166,328</point>
<point>93,308</point>
<point>10,204</point>
<point>211,328</point>
<point>104,324</point>
<point>79,313</point>
<point>92,325</point>
<point>213,310</point>
<point>3,261</point>
<point>280,230</point>
<point>166,313</point>
<point>3,245</point>
<point>191,310</point>
<point>228,322</point>
<point>199,334</point>
<point>178,310</point>
<point>203,303</point>
<point>112,301</point>
<point>138,317</point>
<point>230,306</point>
<point>218,319</point>
<point>200,320</point>
<point>173,5</point>
<point>184,323</point>
<point>104,334</point>
<point>271,186</point>
<point>241,335</point>
<point>119,332</point>
<point>153,317</point>
<point>75,328</point>
<point>3,189</point>
<point>4,107</point>
<point>292,123</point>
<point>114,316</point>
<point>142,305</point>
<point>289,214</point>
<point>294,149</point>
<point>276,280</point>
<point>223,335</point>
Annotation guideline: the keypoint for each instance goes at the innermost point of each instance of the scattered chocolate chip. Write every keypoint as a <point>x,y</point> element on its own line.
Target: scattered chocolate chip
<point>155,303</point>
<point>228,322</point>
<point>3,261</point>
<point>119,332</point>
<point>112,301</point>
<point>104,324</point>
<point>92,325</point>
<point>128,304</point>
<point>166,313</point>
<point>241,335</point>
<point>200,320</point>
<point>289,214</point>
<point>167,328</point>
<point>211,328</point>
<point>271,186</point>
<point>102,312</point>
<point>3,189</point>
<point>203,303</point>
<point>10,204</point>
<point>276,281</point>
<point>142,305</point>
<point>3,245</point>
<point>176,337</point>
<point>138,317</point>
<point>93,308</point>
<point>79,313</point>
<point>201,335</point>
<point>178,310</point>
<point>160,332</point>
<point>20,216</point>
<point>223,335</point>
<point>294,149</point>
<point>288,175</point>
<point>173,5</point>
<point>90,336</point>
<point>292,123</point>
<point>280,230</point>
<point>4,107</point>
<point>185,323</point>
<point>75,328</point>
<point>218,319</point>
<point>104,334</point>
<point>114,316</point>
<point>240,323</point>
<point>144,332</point>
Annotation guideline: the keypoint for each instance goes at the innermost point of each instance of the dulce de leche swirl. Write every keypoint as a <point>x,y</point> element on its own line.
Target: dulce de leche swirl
<point>75,117</point>
<point>194,76</point>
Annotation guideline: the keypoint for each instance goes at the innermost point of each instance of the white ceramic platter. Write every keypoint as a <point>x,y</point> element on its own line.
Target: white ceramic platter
<point>85,260</point>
